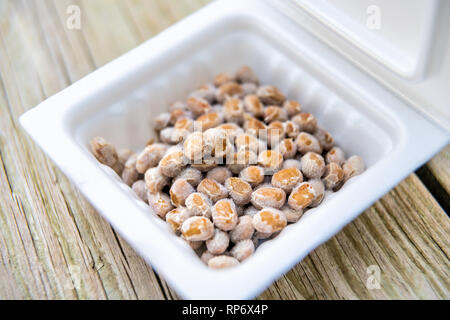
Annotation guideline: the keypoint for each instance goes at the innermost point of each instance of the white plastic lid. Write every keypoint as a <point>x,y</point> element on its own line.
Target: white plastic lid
<point>404,44</point>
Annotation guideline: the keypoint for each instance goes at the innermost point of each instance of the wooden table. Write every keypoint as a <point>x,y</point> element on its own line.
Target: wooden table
<point>53,245</point>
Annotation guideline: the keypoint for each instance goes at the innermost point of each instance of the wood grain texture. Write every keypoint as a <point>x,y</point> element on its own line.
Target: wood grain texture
<point>53,245</point>
<point>440,168</point>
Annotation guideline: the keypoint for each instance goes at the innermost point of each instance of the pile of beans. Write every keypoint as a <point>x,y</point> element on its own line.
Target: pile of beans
<point>232,165</point>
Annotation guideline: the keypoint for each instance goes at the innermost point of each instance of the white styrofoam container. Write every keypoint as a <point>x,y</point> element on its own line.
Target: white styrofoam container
<point>119,100</point>
<point>404,55</point>
<point>409,52</point>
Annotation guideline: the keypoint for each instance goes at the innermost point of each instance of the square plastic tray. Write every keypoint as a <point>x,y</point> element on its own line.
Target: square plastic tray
<point>119,100</point>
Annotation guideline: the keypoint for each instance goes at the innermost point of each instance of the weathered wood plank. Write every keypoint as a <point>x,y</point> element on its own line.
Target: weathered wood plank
<point>72,252</point>
<point>440,168</point>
